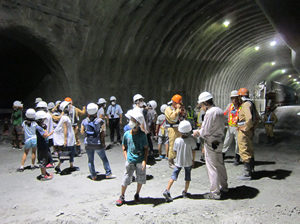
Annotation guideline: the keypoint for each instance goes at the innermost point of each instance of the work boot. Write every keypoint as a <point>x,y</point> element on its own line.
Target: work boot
<point>223,154</point>
<point>171,163</point>
<point>236,160</point>
<point>247,172</point>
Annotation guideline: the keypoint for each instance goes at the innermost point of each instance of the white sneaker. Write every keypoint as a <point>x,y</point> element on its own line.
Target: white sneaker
<point>111,176</point>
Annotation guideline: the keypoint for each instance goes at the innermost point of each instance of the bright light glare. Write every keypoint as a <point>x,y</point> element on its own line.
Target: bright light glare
<point>273,43</point>
<point>226,23</point>
<point>295,80</point>
<point>273,63</point>
<point>290,76</point>
<point>257,48</point>
<point>283,70</point>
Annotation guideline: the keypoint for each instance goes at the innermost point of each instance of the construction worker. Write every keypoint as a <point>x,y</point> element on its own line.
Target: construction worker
<point>270,119</point>
<point>232,110</point>
<point>74,115</point>
<point>247,123</point>
<point>114,112</point>
<point>190,115</point>
<point>172,114</point>
<point>212,131</point>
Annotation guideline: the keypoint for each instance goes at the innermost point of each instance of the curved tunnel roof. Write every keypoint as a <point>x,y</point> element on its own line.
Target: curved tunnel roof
<point>159,48</point>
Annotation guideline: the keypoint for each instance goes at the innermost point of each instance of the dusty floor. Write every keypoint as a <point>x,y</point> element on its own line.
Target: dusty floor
<point>272,197</point>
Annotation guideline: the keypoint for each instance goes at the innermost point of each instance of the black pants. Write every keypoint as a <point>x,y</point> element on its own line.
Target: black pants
<point>114,124</point>
<point>150,142</point>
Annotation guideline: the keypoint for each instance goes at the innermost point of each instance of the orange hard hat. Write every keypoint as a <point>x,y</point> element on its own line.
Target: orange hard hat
<point>243,92</point>
<point>68,99</point>
<point>177,98</point>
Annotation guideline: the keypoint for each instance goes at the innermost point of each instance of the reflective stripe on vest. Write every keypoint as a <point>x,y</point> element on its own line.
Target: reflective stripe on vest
<point>233,115</point>
<point>190,116</point>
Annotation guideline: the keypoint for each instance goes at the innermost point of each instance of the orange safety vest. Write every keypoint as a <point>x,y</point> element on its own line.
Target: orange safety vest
<point>233,115</point>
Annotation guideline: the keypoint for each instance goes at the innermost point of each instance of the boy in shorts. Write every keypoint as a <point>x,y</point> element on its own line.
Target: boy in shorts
<point>184,148</point>
<point>135,151</point>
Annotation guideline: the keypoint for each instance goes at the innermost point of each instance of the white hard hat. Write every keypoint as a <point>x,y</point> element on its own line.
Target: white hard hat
<point>153,104</point>
<point>40,115</point>
<point>30,113</point>
<point>137,116</point>
<point>50,105</point>
<point>234,93</point>
<point>63,105</point>
<point>128,114</point>
<point>17,104</point>
<point>101,101</point>
<point>38,99</point>
<point>42,104</point>
<point>184,127</point>
<point>57,102</point>
<point>92,108</point>
<point>112,98</point>
<point>163,108</point>
<point>204,97</point>
<point>137,97</point>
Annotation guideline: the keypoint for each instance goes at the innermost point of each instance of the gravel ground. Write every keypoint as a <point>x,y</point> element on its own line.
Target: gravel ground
<point>271,197</point>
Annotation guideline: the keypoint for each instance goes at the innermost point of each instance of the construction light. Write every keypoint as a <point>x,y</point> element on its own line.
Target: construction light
<point>273,63</point>
<point>273,43</point>
<point>290,76</point>
<point>283,70</point>
<point>295,80</point>
<point>257,48</point>
<point>226,23</point>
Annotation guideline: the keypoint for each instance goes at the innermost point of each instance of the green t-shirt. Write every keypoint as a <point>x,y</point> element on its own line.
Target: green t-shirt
<point>17,118</point>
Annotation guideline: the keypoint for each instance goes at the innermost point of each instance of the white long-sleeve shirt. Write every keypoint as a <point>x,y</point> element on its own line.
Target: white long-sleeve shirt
<point>212,128</point>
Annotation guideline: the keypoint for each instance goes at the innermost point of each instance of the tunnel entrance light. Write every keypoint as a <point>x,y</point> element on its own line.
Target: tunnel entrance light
<point>273,63</point>
<point>257,48</point>
<point>226,23</point>
<point>273,43</point>
<point>283,70</point>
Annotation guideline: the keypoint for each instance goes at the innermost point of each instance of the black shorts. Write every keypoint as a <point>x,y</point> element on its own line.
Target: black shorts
<point>50,142</point>
<point>42,157</point>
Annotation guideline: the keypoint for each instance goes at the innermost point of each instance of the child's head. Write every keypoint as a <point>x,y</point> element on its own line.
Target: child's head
<point>152,104</point>
<point>136,119</point>
<point>185,127</point>
<point>101,103</point>
<point>17,105</point>
<point>163,108</point>
<point>30,114</point>
<point>50,106</point>
<point>41,106</point>
<point>92,109</point>
<point>40,116</point>
<point>65,107</point>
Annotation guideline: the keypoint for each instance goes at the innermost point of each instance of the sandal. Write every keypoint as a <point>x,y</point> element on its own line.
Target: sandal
<point>120,201</point>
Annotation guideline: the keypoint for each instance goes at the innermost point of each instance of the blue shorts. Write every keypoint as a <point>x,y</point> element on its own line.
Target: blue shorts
<point>176,172</point>
<point>30,143</point>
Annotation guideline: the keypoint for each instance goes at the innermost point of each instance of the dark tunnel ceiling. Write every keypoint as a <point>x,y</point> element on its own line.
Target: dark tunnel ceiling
<point>167,47</point>
<point>21,71</point>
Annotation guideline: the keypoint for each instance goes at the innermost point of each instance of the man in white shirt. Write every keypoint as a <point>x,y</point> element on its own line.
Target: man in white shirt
<point>114,112</point>
<point>212,131</point>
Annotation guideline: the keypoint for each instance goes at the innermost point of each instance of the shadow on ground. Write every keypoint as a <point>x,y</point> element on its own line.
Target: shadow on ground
<point>237,193</point>
<point>274,174</point>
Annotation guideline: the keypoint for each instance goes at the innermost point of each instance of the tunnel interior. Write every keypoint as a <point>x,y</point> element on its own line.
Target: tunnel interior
<point>155,48</point>
<point>22,70</point>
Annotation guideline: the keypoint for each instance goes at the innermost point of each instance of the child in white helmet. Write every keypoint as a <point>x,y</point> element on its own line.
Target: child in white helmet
<point>64,136</point>
<point>93,126</point>
<point>135,151</point>
<point>42,144</point>
<point>162,132</point>
<point>17,119</point>
<point>29,126</point>
<point>184,148</point>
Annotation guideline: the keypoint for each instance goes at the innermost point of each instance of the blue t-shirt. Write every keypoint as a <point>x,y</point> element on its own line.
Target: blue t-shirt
<point>92,139</point>
<point>135,146</point>
<point>29,131</point>
<point>126,128</point>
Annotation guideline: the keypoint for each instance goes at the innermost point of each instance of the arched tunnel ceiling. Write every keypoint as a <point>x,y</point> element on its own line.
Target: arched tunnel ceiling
<point>156,48</point>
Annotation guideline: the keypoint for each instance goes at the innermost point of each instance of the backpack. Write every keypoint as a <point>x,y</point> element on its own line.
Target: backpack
<point>91,130</point>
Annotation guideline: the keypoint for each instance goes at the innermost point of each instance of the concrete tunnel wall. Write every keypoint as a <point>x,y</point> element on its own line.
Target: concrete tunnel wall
<point>156,48</point>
